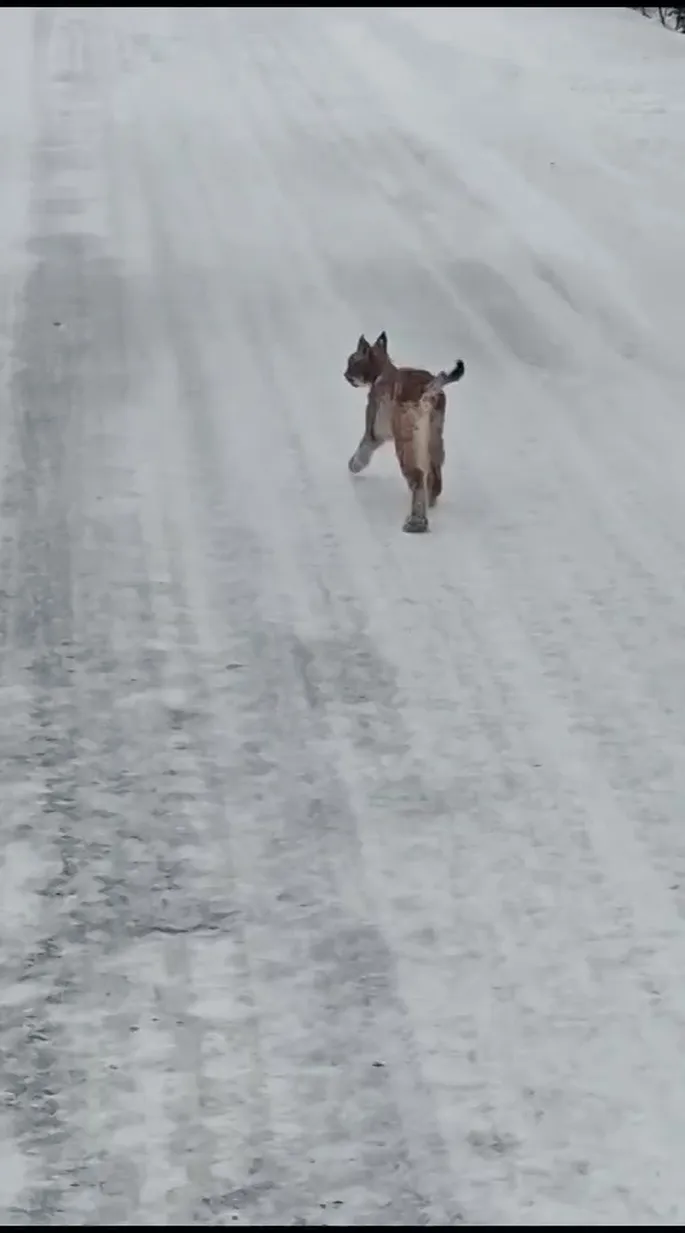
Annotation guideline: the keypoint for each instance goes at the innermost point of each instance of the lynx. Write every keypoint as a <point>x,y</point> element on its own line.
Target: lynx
<point>407,404</point>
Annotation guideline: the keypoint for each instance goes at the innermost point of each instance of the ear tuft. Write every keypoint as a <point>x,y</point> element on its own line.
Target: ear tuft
<point>362,345</point>
<point>382,341</point>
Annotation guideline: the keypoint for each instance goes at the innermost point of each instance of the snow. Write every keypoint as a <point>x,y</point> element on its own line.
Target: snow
<point>342,871</point>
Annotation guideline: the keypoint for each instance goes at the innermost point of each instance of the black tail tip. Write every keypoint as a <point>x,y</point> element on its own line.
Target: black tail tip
<point>458,371</point>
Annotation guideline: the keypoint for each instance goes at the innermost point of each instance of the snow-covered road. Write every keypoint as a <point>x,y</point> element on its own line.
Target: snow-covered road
<point>342,872</point>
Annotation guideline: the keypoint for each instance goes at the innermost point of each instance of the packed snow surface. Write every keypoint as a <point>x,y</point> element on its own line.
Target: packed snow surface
<point>342,874</point>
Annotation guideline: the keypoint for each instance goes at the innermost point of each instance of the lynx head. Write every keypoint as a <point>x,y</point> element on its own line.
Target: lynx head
<point>368,361</point>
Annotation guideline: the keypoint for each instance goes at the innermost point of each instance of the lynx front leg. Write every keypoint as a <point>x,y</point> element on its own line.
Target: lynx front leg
<point>363,454</point>
<point>375,433</point>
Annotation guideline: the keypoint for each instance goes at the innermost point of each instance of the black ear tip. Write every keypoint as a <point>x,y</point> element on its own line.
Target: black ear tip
<point>382,340</point>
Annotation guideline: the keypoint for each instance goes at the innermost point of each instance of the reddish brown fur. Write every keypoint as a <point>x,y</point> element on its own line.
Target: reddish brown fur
<point>407,404</point>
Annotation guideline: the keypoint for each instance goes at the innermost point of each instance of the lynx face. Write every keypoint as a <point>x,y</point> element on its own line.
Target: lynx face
<point>367,362</point>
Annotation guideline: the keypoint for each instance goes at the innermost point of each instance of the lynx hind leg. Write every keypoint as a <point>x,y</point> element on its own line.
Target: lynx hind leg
<point>416,522</point>
<point>434,485</point>
<point>412,448</point>
<point>437,454</point>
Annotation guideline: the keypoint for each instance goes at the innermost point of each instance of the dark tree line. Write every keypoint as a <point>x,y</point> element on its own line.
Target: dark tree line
<point>673,17</point>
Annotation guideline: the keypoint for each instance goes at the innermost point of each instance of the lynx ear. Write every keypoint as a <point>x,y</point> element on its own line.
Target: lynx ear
<point>363,345</point>
<point>382,341</point>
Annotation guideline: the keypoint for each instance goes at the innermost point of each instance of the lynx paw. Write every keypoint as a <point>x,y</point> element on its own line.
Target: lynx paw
<point>416,524</point>
<point>357,464</point>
